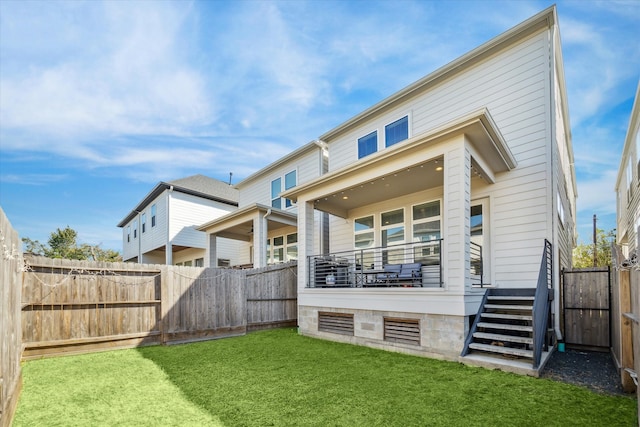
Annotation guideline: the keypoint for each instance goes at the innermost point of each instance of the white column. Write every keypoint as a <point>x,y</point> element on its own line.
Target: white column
<point>212,251</point>
<point>305,240</point>
<point>260,233</point>
<point>457,202</point>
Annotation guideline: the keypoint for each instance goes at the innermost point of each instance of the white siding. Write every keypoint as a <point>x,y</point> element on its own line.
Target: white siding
<point>188,212</point>
<point>514,85</point>
<point>307,166</point>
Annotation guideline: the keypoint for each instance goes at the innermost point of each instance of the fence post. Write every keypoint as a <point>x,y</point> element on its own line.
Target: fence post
<point>165,303</point>
<point>625,331</point>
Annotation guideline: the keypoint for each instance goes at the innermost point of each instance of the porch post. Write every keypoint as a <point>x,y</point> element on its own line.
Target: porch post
<point>457,202</point>
<point>212,251</point>
<point>305,240</point>
<point>259,241</point>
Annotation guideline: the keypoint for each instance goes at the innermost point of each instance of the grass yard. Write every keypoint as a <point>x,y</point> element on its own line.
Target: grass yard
<point>278,377</point>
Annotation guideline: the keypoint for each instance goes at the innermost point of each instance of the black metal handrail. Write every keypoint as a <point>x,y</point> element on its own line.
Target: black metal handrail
<point>416,264</point>
<point>542,304</point>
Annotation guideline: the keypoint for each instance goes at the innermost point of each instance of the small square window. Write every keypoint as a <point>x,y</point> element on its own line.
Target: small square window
<point>368,144</point>
<point>396,131</point>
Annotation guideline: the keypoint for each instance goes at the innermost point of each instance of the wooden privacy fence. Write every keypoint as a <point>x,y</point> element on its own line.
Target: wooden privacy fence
<point>10,332</point>
<point>79,306</point>
<point>586,303</point>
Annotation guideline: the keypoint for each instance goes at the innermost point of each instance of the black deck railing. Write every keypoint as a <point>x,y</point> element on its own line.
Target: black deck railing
<point>542,303</point>
<point>406,265</point>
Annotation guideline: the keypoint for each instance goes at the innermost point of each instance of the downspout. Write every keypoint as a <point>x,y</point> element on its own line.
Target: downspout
<point>168,245</point>
<point>554,208</point>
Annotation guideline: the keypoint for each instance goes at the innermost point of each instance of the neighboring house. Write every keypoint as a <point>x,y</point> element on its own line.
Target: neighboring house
<point>162,228</point>
<point>462,178</point>
<point>628,186</point>
<point>265,221</point>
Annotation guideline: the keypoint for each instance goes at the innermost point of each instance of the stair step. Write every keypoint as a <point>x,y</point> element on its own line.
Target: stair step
<point>502,350</point>
<point>510,298</point>
<point>505,326</point>
<point>506,316</point>
<point>503,338</point>
<point>509,307</point>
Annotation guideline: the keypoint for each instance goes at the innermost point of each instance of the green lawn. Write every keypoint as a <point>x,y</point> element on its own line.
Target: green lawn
<point>281,378</point>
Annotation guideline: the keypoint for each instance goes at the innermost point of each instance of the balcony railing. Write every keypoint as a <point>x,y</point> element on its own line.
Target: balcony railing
<point>407,265</point>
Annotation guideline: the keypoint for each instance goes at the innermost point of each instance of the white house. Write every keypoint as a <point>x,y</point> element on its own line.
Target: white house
<point>265,221</point>
<point>452,209</point>
<point>162,227</point>
<point>628,186</point>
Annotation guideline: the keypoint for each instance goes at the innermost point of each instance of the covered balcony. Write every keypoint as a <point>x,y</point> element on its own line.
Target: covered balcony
<point>413,265</point>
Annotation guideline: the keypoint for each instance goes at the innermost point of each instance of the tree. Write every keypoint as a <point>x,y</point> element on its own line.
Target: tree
<point>583,253</point>
<point>63,244</point>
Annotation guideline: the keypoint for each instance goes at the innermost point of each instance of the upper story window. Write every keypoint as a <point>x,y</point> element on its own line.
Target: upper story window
<point>153,215</point>
<point>143,222</point>
<point>290,181</point>
<point>396,131</point>
<point>368,144</point>
<point>135,228</point>
<point>128,233</point>
<point>276,188</point>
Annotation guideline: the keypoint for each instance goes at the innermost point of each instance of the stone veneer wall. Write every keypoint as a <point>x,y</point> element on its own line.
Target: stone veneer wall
<point>441,336</point>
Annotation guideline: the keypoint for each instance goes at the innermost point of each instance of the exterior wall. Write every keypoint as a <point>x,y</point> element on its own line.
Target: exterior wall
<point>628,184</point>
<point>308,166</point>
<point>153,237</point>
<point>441,336</point>
<point>514,86</point>
<point>187,212</point>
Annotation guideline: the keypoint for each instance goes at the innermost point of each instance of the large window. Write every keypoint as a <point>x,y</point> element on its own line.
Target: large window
<point>135,228</point>
<point>426,228</point>
<point>396,131</point>
<point>282,248</point>
<point>290,181</point>
<point>143,222</point>
<point>276,188</point>
<point>392,228</point>
<point>368,144</point>
<point>364,240</point>
<point>153,215</point>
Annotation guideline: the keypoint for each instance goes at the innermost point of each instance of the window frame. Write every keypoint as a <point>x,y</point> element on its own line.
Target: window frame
<point>361,144</point>
<point>282,202</point>
<point>386,131</point>
<point>153,215</point>
<point>143,222</point>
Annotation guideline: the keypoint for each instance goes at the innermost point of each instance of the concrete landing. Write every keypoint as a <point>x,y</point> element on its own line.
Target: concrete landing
<point>519,366</point>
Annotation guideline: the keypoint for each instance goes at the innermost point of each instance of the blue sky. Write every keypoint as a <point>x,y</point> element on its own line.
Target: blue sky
<point>100,101</point>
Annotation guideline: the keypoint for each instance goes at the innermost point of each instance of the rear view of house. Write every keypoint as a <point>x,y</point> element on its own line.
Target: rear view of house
<point>451,206</point>
<point>161,229</point>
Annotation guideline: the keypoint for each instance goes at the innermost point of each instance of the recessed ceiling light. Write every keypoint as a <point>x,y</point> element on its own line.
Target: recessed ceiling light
<point>439,168</point>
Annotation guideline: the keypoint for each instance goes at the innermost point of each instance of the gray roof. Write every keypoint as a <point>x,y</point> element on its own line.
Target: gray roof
<point>195,185</point>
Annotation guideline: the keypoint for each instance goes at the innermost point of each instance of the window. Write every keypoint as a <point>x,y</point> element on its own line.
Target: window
<point>143,222</point>
<point>128,233</point>
<point>289,182</point>
<point>426,228</point>
<point>368,144</point>
<point>392,228</point>
<point>276,186</point>
<point>277,252</point>
<point>153,215</point>
<point>188,264</point>
<point>292,247</point>
<point>363,240</point>
<point>396,131</point>
<point>223,262</point>
<point>135,229</point>
<point>560,209</point>
<point>200,262</point>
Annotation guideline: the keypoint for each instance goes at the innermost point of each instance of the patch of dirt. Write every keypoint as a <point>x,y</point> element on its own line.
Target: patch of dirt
<point>593,370</point>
